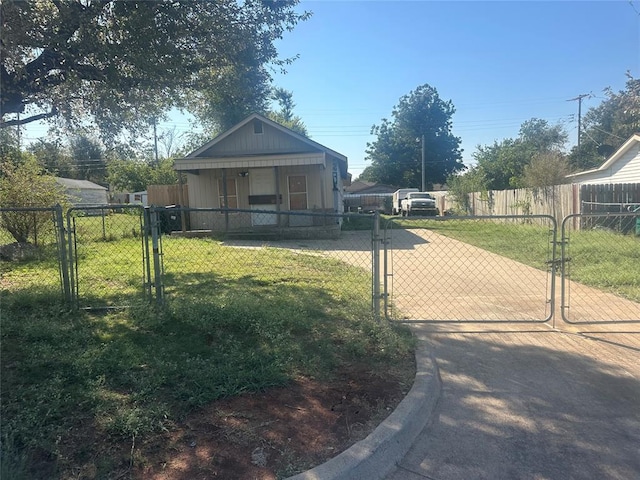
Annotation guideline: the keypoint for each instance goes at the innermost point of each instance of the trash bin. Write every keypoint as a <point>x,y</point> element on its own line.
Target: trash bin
<point>171,219</point>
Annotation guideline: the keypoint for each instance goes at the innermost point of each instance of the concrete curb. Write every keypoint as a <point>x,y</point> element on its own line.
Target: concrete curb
<point>377,455</point>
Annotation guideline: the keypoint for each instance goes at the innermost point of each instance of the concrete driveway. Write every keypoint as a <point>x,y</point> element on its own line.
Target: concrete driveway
<point>518,400</point>
<point>531,402</point>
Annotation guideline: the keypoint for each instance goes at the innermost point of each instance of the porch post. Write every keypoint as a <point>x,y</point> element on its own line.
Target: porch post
<point>226,200</point>
<point>183,219</point>
<point>276,172</point>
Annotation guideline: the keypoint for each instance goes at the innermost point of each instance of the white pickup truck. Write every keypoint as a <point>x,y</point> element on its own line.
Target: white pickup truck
<point>398,196</point>
<point>419,203</point>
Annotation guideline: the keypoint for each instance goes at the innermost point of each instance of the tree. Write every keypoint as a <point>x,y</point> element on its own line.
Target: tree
<point>10,146</point>
<point>542,137</point>
<point>285,116</point>
<point>230,94</point>
<point>546,169</point>
<point>608,126</point>
<point>171,141</point>
<point>504,162</point>
<point>135,175</point>
<point>53,157</point>
<point>89,158</point>
<point>123,62</point>
<point>396,154</point>
<point>26,185</point>
<point>461,185</point>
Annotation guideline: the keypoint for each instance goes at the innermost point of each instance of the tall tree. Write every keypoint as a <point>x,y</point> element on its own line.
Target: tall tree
<point>89,158</point>
<point>228,95</point>
<point>122,62</point>
<point>503,163</point>
<point>608,126</point>
<point>395,155</point>
<point>285,115</point>
<point>54,157</point>
<point>136,175</point>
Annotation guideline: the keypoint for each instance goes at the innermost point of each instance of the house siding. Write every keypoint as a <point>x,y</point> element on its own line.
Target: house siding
<point>246,154</point>
<point>246,142</point>
<point>625,170</point>
<point>84,192</point>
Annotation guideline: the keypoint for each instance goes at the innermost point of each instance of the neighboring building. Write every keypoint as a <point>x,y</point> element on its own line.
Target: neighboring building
<point>83,192</point>
<point>261,165</point>
<point>138,198</point>
<point>367,197</point>
<point>362,187</point>
<point>621,167</point>
<point>135,198</point>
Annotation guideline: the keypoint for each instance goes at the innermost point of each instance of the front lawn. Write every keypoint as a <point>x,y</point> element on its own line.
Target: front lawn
<point>75,383</point>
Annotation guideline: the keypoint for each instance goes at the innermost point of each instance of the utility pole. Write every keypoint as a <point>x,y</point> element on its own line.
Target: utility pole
<point>424,176</point>
<point>18,127</point>
<point>579,99</point>
<point>155,140</point>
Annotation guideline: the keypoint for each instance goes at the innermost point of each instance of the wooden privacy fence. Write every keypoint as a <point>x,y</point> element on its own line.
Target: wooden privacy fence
<point>163,195</point>
<point>559,201</point>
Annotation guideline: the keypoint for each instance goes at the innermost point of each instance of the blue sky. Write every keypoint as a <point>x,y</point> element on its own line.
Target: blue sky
<point>500,63</point>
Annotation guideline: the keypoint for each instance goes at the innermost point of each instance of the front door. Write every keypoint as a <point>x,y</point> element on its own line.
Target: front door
<point>262,184</point>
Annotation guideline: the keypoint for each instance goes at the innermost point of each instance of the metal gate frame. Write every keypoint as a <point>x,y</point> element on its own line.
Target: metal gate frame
<point>72,241</point>
<point>551,262</point>
<point>565,261</point>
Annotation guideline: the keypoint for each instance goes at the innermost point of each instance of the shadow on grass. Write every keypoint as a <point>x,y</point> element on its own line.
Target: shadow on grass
<point>75,384</point>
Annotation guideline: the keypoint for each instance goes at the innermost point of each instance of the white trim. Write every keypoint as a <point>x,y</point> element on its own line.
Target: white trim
<point>612,159</point>
<point>258,161</point>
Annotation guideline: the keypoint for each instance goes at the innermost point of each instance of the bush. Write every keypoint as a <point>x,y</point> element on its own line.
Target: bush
<point>24,186</point>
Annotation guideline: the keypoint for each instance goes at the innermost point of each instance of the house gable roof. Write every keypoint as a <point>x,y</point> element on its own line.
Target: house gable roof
<point>79,184</point>
<point>617,155</point>
<point>301,139</point>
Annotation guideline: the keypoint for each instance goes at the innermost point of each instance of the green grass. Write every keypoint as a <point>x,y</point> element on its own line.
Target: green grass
<point>606,260</point>
<point>526,243</point>
<point>603,259</point>
<point>235,321</point>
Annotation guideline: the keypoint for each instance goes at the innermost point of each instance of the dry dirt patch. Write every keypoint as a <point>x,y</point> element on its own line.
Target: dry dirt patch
<point>276,433</point>
<point>264,436</point>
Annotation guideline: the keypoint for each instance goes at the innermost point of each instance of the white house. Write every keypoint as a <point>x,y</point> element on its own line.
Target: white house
<point>261,165</point>
<point>621,167</point>
<point>83,192</point>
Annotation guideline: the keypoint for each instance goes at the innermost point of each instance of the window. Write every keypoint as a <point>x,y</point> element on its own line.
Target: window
<point>297,192</point>
<point>257,127</point>
<point>232,195</point>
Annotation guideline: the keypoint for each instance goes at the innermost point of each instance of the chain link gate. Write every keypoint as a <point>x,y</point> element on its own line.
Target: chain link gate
<point>600,251</point>
<point>109,256</point>
<point>442,269</point>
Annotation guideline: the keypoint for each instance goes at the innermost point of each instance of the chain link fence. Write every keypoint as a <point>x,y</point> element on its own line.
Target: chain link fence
<point>601,267</point>
<point>489,269</point>
<point>285,262</point>
<point>32,254</point>
<point>109,249</point>
<point>446,268</point>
